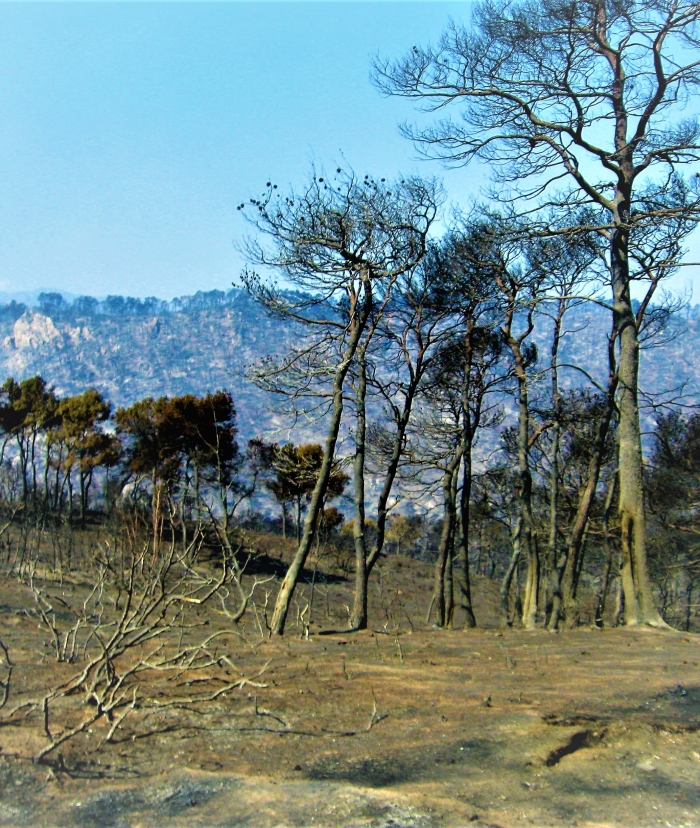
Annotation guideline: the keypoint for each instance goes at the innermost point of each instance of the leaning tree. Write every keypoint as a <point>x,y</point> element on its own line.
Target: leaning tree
<point>340,243</point>
<point>575,103</point>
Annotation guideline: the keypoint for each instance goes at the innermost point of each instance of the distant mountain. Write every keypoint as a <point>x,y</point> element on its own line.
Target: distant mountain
<point>31,297</point>
<point>130,348</point>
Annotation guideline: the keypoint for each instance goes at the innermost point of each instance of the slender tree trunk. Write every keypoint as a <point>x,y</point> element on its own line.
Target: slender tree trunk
<point>58,488</point>
<point>33,463</point>
<point>391,471</point>
<point>83,497</point>
<point>570,582</point>
<point>358,619</point>
<point>602,596</point>
<point>472,420</point>
<point>197,500</point>
<point>449,583</point>
<point>525,537</point>
<point>23,467</point>
<point>508,577</point>
<point>555,435</point>
<point>440,599</point>
<point>523,540</point>
<point>563,597</point>
<point>156,509</point>
<point>639,599</point>
<point>289,583</point>
<point>62,493</point>
<point>449,568</point>
<point>69,478</point>
<point>465,520</point>
<point>689,603</point>
<point>619,610</point>
<point>47,468</point>
<point>6,440</point>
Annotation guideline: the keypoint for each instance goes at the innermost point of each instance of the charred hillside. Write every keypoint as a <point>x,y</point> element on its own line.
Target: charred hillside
<point>129,349</point>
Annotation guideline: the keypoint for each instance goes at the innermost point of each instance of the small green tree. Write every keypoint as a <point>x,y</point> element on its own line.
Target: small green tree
<point>27,409</point>
<point>88,446</point>
<point>296,472</point>
<point>182,444</point>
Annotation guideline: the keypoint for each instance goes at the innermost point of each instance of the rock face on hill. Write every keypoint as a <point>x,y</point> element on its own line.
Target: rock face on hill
<point>136,350</point>
<point>130,349</point>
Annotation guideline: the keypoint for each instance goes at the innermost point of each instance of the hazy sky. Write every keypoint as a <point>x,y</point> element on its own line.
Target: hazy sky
<point>130,131</point>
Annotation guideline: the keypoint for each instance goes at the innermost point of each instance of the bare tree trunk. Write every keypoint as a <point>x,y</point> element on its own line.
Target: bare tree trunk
<point>83,495</point>
<point>465,520</point>
<point>402,421</point>
<point>449,583</point>
<point>508,577</point>
<point>449,569</point>
<point>619,603</point>
<point>605,583</point>
<point>532,584</point>
<point>33,463</point>
<point>471,423</point>
<point>440,600</point>
<point>69,477</point>
<point>555,434</point>
<point>289,583</point>
<point>23,467</point>
<point>639,599</point>
<point>523,540</point>
<point>358,619</point>
<point>47,465</point>
<point>563,596</point>
<point>156,509</point>
<point>525,537</point>
<point>689,602</point>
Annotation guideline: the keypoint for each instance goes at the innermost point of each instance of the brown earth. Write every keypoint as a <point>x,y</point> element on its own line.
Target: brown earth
<point>400,726</point>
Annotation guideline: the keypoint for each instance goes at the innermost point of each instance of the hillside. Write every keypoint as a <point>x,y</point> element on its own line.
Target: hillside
<point>129,349</point>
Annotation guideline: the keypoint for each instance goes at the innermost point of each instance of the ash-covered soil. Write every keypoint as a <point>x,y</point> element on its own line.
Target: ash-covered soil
<point>399,726</point>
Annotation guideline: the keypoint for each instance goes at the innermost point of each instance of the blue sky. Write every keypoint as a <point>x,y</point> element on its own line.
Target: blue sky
<point>129,132</point>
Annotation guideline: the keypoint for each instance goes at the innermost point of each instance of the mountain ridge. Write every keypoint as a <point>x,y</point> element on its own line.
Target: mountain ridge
<point>131,348</point>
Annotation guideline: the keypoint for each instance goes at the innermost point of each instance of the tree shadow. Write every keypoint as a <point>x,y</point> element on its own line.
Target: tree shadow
<point>265,565</point>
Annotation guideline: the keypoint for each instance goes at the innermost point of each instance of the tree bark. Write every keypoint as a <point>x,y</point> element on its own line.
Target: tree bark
<point>358,618</point>
<point>440,599</point>
<point>563,592</point>
<point>524,527</point>
<point>602,596</point>
<point>508,577</point>
<point>639,598</point>
<point>555,433</point>
<point>471,423</point>
<point>291,578</point>
<point>465,516</point>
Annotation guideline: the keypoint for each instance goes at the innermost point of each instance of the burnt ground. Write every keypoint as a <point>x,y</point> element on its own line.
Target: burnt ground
<point>403,725</point>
